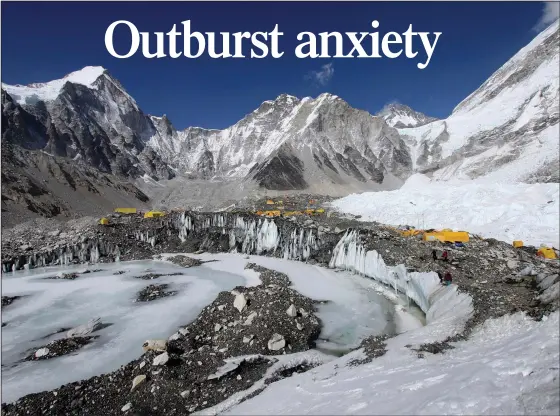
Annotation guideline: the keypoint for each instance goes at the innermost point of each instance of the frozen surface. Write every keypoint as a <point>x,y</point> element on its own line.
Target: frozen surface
<point>358,309</point>
<point>508,366</point>
<point>527,212</point>
<point>54,304</point>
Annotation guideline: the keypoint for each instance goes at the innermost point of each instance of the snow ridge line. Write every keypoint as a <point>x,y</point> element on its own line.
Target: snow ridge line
<point>437,302</point>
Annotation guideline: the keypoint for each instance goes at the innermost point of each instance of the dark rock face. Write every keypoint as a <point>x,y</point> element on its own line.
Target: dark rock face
<point>36,184</point>
<point>284,171</point>
<point>82,123</point>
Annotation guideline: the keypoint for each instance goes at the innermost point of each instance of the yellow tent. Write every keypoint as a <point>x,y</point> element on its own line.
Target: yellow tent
<point>154,214</point>
<point>126,210</point>
<point>447,236</point>
<point>104,221</point>
<point>547,253</point>
<point>518,243</point>
<point>270,202</point>
<point>410,233</point>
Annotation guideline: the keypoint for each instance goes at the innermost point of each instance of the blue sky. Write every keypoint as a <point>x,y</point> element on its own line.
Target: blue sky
<point>43,41</point>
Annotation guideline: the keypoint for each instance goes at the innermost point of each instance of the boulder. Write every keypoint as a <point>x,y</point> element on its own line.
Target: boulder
<point>137,381</point>
<point>250,318</point>
<point>292,311</point>
<point>161,359</point>
<point>155,345</point>
<point>41,352</point>
<point>85,329</point>
<point>276,342</point>
<point>240,302</point>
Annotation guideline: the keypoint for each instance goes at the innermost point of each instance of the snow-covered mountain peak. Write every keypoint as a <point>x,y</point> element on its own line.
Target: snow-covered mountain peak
<point>506,130</point>
<point>532,61</point>
<point>402,116</point>
<point>49,91</point>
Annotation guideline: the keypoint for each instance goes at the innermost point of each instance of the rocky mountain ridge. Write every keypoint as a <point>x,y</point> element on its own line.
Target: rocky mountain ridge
<point>506,130</point>
<point>402,116</point>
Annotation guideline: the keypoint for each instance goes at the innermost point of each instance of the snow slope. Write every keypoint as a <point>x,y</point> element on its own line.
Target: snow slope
<point>507,212</point>
<point>402,116</point>
<point>513,115</point>
<point>49,91</point>
<point>508,366</point>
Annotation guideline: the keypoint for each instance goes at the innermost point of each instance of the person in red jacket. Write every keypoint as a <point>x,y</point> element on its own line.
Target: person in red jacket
<point>447,278</point>
<point>445,255</point>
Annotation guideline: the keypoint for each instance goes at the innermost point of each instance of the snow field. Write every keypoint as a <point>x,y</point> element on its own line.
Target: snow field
<point>508,366</point>
<point>507,212</point>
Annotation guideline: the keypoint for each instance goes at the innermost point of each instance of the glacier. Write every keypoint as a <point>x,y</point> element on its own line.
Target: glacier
<point>505,211</point>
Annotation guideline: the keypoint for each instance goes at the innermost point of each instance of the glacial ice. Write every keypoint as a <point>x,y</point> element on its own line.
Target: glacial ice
<point>423,288</point>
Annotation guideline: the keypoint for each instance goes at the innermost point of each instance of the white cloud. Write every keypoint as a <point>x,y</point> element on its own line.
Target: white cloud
<point>323,76</point>
<point>551,12</point>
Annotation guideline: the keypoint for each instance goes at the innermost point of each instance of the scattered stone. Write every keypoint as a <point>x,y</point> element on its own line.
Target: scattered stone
<point>8,300</point>
<point>277,342</point>
<point>41,352</point>
<point>153,292</point>
<point>137,381</point>
<point>292,311</point>
<point>155,345</point>
<point>126,407</point>
<point>65,276</point>
<point>85,329</point>
<point>185,261</point>
<point>60,347</point>
<point>161,359</point>
<point>240,302</point>
<point>512,264</point>
<point>250,318</point>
